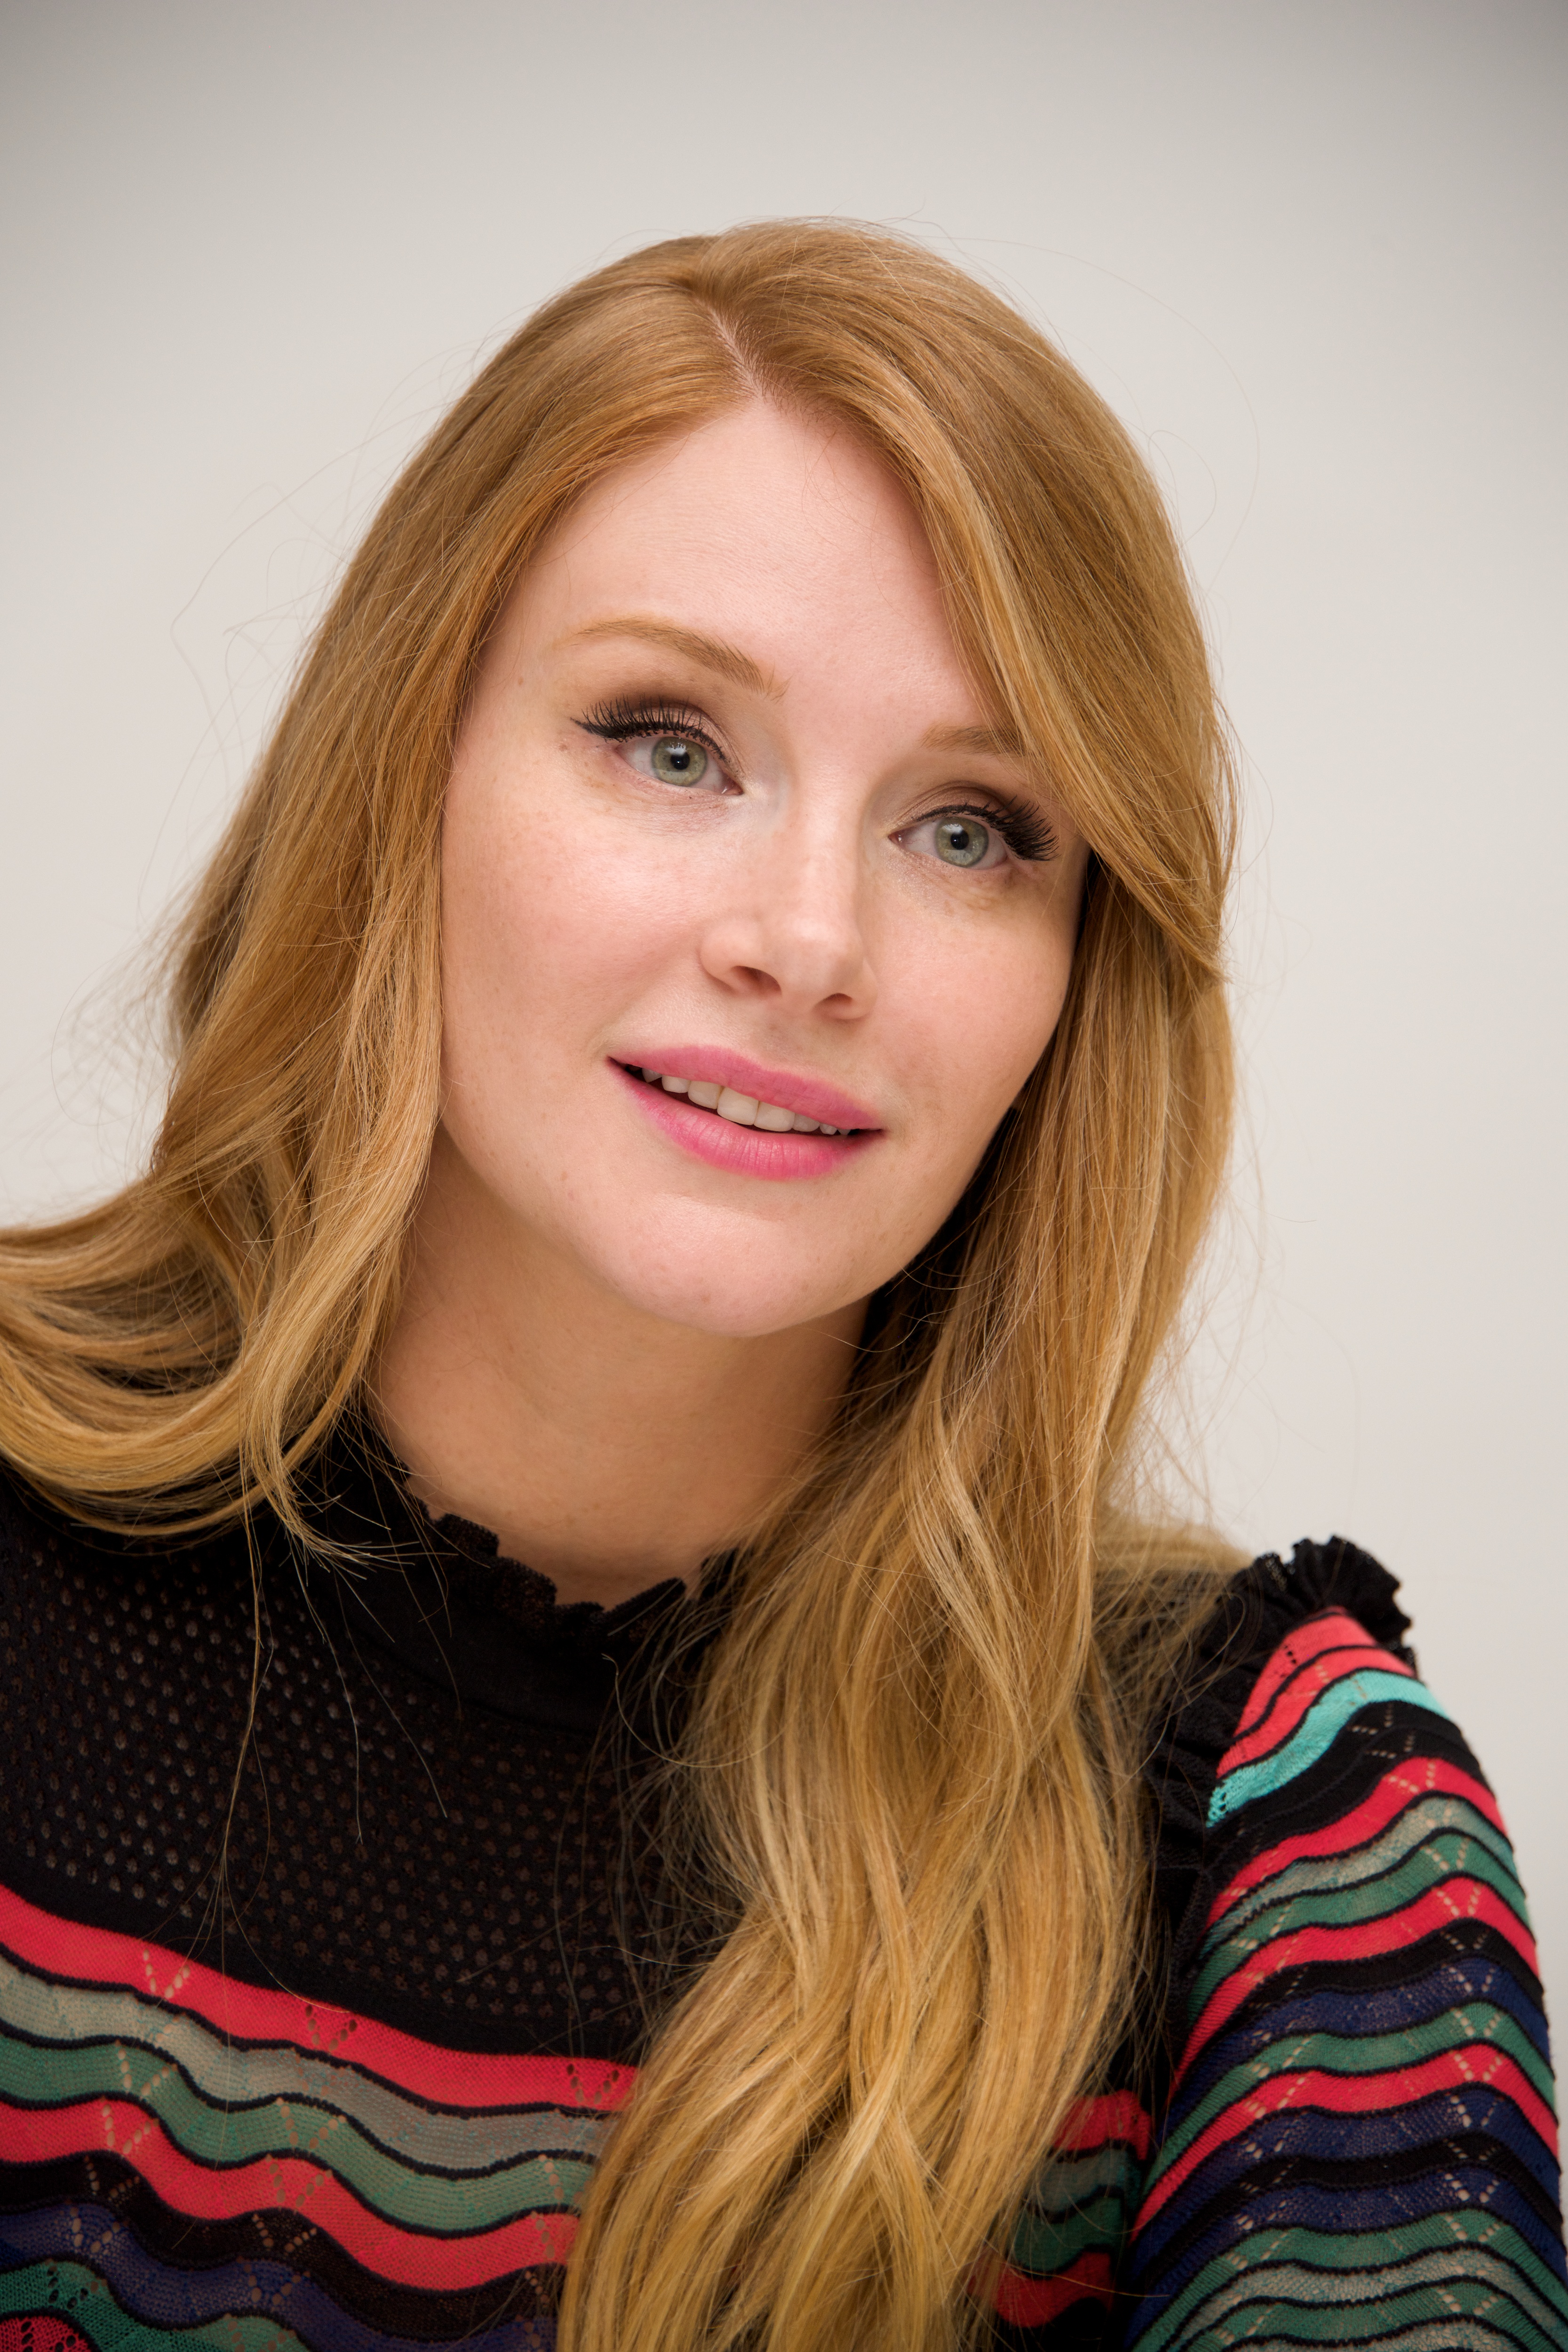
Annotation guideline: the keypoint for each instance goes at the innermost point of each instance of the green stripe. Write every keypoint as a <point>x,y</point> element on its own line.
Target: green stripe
<point>228,2074</point>
<point>418,2200</point>
<point>1077,2202</point>
<point>1316,1732</point>
<point>1453,2029</point>
<point>1068,2179</point>
<point>1292,2294</point>
<point>1279,2329</point>
<point>71,2291</point>
<point>1414,1826</point>
<point>1439,1860</point>
<point>1042,2244</point>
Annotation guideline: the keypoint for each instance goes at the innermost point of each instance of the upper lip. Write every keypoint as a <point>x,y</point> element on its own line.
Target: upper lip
<point>809,1097</point>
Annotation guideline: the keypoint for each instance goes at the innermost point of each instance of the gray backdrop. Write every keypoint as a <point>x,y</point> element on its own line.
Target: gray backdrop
<point>1312,249</point>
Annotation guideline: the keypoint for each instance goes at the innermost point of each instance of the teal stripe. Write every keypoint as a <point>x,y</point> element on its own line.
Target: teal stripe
<point>1317,1730</point>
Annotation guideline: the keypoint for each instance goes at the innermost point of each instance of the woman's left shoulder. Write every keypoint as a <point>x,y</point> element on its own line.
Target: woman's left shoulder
<point>1361,2108</point>
<point>1301,1715</point>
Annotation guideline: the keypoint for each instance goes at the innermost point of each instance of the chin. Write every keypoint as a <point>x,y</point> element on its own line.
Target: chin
<point>743,1307</point>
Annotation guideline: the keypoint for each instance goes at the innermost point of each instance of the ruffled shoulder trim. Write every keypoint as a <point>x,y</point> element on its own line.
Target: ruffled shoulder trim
<point>1260,1609</point>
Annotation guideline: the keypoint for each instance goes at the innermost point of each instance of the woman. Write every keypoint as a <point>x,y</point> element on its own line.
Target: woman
<point>701,1066</point>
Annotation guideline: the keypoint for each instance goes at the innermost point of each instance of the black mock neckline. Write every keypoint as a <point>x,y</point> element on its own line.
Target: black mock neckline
<point>441,1597</point>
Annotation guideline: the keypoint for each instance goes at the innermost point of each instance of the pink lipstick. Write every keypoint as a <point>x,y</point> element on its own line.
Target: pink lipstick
<point>770,1123</point>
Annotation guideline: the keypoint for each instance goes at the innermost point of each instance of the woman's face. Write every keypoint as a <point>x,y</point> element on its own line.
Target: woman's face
<point>754,926</point>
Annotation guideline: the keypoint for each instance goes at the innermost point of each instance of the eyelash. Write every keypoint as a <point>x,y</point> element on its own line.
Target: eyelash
<point>1029,837</point>
<point>623,722</point>
<point>1026,835</point>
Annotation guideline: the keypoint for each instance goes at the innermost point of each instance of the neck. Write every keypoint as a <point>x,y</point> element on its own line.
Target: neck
<point>607,1448</point>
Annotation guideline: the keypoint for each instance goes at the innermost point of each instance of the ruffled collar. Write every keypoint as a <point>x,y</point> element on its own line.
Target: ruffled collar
<point>439,1596</point>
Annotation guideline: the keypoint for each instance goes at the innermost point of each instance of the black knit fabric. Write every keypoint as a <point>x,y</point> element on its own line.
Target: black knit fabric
<point>365,2119</point>
<point>430,1819</point>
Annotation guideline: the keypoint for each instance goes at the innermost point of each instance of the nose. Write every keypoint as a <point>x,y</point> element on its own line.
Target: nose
<point>792,925</point>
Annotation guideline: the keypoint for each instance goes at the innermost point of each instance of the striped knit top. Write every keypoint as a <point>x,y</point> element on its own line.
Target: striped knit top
<point>345,2093</point>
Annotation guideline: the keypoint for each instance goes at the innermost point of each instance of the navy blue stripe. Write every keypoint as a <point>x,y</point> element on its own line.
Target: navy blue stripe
<point>1309,2201</point>
<point>162,2297</point>
<point>1411,2007</point>
<point>1318,2136</point>
<point>1327,2007</point>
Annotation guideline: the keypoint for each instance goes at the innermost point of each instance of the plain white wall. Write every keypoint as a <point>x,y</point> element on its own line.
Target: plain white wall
<point>1313,251</point>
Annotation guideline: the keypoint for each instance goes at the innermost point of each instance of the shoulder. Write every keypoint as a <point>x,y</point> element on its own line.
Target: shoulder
<point>1322,1821</point>
<point>1300,1684</point>
<point>1362,2076</point>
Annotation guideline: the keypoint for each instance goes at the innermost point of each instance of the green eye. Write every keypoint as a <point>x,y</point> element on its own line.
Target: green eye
<point>675,760</point>
<point>960,841</point>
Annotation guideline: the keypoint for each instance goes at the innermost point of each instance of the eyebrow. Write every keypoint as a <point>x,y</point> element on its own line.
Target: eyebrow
<point>992,742</point>
<point>712,653</point>
<point>729,661</point>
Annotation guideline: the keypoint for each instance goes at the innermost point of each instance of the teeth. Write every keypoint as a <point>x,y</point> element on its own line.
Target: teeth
<point>741,1110</point>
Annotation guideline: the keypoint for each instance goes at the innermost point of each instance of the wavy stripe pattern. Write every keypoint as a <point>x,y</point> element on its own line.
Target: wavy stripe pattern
<point>314,2141</point>
<point>1360,2148</point>
<point>90,2247</point>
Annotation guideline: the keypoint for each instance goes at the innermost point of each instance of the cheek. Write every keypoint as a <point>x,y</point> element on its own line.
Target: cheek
<point>981,1016</point>
<point>546,924</point>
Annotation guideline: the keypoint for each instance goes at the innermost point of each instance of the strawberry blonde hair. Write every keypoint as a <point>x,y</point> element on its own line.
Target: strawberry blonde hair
<point>911,1764</point>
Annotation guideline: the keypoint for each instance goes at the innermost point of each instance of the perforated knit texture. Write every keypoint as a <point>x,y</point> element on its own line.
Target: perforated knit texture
<point>454,1870</point>
<point>1356,2143</point>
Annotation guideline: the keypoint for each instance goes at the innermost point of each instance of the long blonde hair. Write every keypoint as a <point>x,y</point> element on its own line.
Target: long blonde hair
<point>911,1759</point>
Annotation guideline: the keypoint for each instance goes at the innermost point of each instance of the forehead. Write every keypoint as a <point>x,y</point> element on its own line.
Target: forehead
<point>783,535</point>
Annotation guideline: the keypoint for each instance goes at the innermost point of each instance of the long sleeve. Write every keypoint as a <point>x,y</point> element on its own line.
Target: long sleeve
<point>1360,2147</point>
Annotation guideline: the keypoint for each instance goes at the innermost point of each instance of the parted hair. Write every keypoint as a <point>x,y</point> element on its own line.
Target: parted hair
<point>910,1762</point>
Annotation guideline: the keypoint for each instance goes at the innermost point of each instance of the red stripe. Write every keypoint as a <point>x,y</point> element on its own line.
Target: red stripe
<point>1406,1785</point>
<point>1095,2123</point>
<point>1309,1679</point>
<point>1442,1905</point>
<point>286,2183</point>
<point>1026,2302</point>
<point>39,2331</point>
<point>1476,2066</point>
<point>1332,1631</point>
<point>464,2079</point>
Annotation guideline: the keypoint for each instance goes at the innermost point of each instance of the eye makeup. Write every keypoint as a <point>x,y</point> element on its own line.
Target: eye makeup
<point>1024,829</point>
<point>627,719</point>
<point>624,720</point>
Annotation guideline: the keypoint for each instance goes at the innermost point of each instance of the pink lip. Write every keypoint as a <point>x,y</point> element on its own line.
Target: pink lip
<point>742,1150</point>
<point>809,1097</point>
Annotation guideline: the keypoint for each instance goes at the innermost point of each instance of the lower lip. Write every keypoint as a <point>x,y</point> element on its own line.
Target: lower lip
<point>742,1150</point>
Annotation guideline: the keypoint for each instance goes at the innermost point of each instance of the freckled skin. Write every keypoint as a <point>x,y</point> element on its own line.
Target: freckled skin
<point>572,1260</point>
